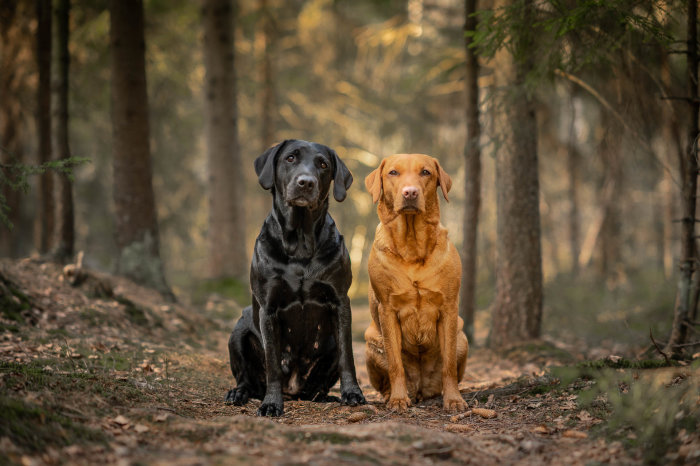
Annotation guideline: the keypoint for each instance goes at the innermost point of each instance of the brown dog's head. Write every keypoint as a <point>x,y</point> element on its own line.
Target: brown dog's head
<point>407,183</point>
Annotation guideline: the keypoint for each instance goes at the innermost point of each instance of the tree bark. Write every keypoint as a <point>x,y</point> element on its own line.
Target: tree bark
<point>611,230</point>
<point>679,329</point>
<point>517,310</point>
<point>268,78</point>
<point>227,247</point>
<point>472,177</point>
<point>136,222</point>
<point>45,222</point>
<point>65,234</point>
<point>12,89</point>
<point>572,165</point>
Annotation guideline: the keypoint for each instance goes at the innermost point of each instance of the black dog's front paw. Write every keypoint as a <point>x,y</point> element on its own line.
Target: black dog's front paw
<point>237,396</point>
<point>353,397</point>
<point>271,409</point>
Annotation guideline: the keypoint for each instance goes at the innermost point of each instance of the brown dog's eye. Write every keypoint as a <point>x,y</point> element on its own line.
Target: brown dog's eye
<point>393,173</point>
<point>425,172</point>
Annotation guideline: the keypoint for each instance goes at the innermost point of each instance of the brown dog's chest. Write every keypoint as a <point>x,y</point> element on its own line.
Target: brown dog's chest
<point>418,316</point>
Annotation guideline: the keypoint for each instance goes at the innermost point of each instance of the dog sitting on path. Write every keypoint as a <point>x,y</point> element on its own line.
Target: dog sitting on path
<point>295,339</point>
<point>415,345</point>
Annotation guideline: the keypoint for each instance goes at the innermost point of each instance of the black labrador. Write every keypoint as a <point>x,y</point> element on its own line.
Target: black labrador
<point>295,341</point>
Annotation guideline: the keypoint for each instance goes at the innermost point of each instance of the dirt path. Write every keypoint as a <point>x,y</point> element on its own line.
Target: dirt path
<point>127,378</point>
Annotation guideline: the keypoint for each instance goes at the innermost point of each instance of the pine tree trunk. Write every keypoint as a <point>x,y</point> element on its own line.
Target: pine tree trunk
<point>679,330</point>
<point>268,79</point>
<point>517,310</point>
<point>44,226</point>
<point>227,246</point>
<point>670,132</point>
<point>65,235</point>
<point>472,178</point>
<point>611,231</point>
<point>11,127</point>
<point>136,222</point>
<point>572,166</point>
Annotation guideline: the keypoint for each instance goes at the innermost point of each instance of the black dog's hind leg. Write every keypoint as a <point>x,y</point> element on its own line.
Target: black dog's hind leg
<point>350,392</point>
<point>323,375</point>
<point>272,404</point>
<point>247,361</point>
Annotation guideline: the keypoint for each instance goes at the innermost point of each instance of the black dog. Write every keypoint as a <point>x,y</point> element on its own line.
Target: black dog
<point>295,339</point>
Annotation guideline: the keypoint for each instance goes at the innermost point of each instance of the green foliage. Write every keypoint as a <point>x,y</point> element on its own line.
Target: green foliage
<point>643,408</point>
<point>15,176</point>
<point>568,35</point>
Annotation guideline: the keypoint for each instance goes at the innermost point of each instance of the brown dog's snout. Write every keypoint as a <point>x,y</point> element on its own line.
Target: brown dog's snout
<point>306,182</point>
<point>410,193</point>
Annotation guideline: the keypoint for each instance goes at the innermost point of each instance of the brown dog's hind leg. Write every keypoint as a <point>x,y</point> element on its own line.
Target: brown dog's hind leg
<point>377,365</point>
<point>462,350</point>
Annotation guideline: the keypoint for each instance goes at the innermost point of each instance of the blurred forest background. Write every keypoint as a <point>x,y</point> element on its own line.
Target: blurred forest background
<point>605,80</point>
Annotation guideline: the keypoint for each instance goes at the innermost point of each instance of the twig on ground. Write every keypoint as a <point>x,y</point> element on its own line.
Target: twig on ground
<point>692,343</point>
<point>658,348</point>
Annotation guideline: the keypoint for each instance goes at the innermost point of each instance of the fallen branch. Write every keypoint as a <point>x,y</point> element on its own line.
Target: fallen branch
<point>658,348</point>
<point>681,345</point>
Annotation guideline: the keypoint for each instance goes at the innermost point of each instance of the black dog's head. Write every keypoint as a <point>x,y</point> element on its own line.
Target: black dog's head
<point>302,171</point>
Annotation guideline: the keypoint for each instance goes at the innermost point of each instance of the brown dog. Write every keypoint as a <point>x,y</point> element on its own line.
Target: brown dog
<point>415,345</point>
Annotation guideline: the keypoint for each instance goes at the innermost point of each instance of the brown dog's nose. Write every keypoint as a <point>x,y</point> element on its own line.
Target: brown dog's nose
<point>410,192</point>
<point>306,182</point>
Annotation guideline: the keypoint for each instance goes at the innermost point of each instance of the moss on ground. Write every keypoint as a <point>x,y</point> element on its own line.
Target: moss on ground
<point>33,427</point>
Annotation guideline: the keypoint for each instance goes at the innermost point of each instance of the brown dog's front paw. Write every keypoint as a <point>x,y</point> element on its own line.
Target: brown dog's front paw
<point>400,405</point>
<point>454,403</point>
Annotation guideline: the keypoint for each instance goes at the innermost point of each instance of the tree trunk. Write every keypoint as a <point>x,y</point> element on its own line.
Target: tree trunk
<point>12,45</point>
<point>44,225</point>
<point>670,132</point>
<point>517,310</point>
<point>572,165</point>
<point>65,235</point>
<point>472,178</point>
<point>227,247</point>
<point>679,330</point>
<point>136,223</point>
<point>268,79</point>
<point>611,230</point>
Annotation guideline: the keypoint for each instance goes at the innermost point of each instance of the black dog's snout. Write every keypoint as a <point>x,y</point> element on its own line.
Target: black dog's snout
<point>306,182</point>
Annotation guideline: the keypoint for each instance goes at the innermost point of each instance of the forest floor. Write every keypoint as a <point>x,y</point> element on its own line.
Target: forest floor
<point>109,372</point>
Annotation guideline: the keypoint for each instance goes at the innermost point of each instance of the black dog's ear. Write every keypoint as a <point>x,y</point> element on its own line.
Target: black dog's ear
<point>265,165</point>
<point>342,179</point>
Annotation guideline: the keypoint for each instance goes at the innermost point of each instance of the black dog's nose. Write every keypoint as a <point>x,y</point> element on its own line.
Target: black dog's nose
<point>306,182</point>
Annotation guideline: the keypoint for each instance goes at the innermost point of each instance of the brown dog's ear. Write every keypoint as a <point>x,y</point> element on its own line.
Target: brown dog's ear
<point>444,180</point>
<point>265,165</point>
<point>342,178</point>
<point>373,182</point>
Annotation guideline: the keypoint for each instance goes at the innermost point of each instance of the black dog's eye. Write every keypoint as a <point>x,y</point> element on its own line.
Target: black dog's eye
<point>393,173</point>
<point>324,165</point>
<point>290,158</point>
<point>425,172</point>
